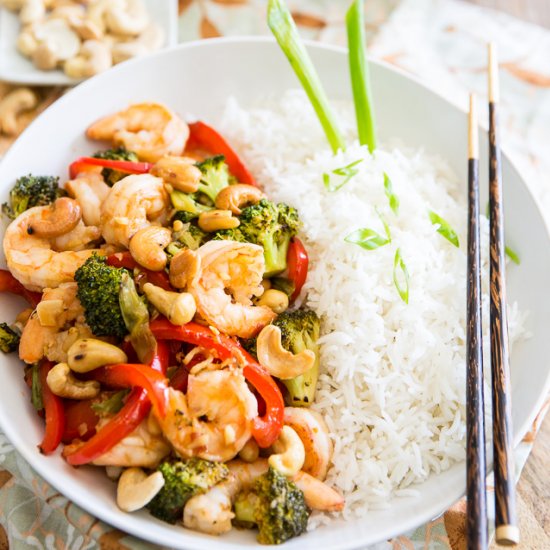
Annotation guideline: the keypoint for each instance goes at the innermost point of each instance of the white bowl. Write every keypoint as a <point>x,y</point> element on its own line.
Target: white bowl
<point>197,78</point>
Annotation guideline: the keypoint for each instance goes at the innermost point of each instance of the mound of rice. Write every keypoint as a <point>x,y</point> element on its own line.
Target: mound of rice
<point>392,388</point>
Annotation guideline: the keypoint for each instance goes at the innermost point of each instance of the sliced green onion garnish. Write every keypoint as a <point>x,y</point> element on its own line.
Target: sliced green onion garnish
<point>366,238</point>
<point>36,388</point>
<point>384,223</point>
<point>347,172</point>
<point>400,272</point>
<point>112,404</point>
<point>393,199</point>
<point>283,28</point>
<point>444,228</point>
<point>512,254</point>
<point>359,73</point>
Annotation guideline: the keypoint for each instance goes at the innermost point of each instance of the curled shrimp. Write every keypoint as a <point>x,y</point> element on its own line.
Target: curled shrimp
<point>230,274</point>
<point>151,130</point>
<point>90,191</point>
<point>39,262</point>
<point>211,512</point>
<point>213,420</point>
<point>43,335</point>
<point>133,203</point>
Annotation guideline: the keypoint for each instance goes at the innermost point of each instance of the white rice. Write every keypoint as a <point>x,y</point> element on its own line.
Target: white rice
<point>392,388</point>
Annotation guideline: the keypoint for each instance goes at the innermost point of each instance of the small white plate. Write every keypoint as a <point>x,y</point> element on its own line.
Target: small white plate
<point>16,68</point>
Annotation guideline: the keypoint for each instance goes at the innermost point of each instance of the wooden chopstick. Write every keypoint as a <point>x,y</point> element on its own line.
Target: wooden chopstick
<point>507,532</point>
<point>476,520</point>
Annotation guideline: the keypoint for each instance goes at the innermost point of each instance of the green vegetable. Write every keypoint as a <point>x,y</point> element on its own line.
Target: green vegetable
<point>269,225</point>
<point>36,388</point>
<point>367,238</point>
<point>98,291</point>
<point>30,191</point>
<point>359,73</point>
<point>392,197</point>
<point>400,272</point>
<point>215,176</point>
<point>300,331</point>
<point>189,236</point>
<point>9,338</point>
<point>347,172</point>
<point>444,228</point>
<point>120,153</point>
<point>111,404</point>
<point>284,285</point>
<point>136,319</point>
<point>283,28</point>
<point>187,206</point>
<point>276,506</point>
<point>384,223</point>
<point>182,480</point>
<point>512,255</point>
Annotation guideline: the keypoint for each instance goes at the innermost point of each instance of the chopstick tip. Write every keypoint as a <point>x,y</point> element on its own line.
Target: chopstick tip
<point>473,133</point>
<point>507,535</point>
<point>493,72</point>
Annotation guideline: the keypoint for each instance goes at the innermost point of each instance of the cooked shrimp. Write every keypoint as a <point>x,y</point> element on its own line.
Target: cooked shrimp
<point>151,130</point>
<point>312,430</point>
<point>133,202</point>
<point>38,262</point>
<point>41,335</point>
<point>214,419</point>
<point>211,512</point>
<point>230,275</point>
<point>90,191</point>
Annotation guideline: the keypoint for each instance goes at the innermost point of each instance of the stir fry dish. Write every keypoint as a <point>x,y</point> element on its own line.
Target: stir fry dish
<point>164,334</point>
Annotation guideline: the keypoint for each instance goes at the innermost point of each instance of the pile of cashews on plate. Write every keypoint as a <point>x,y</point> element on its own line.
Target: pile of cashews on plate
<point>83,37</point>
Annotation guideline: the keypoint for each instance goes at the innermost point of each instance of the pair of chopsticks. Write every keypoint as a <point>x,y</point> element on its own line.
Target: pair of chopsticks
<point>507,532</point>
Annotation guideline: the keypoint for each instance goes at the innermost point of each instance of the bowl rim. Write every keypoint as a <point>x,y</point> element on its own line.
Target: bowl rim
<point>203,543</point>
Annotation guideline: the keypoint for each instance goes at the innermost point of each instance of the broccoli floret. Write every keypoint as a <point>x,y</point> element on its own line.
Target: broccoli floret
<point>98,291</point>
<point>30,191</point>
<point>120,153</point>
<point>182,480</point>
<point>271,226</point>
<point>276,506</point>
<point>300,331</point>
<point>9,339</point>
<point>234,234</point>
<point>215,176</point>
<point>188,236</point>
<point>187,206</point>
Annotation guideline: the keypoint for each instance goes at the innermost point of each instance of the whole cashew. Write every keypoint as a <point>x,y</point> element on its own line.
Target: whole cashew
<point>32,10</point>
<point>63,216</point>
<point>44,56</point>
<point>136,489</point>
<point>277,360</point>
<point>149,40</point>
<point>26,41</point>
<point>235,197</point>
<point>180,172</point>
<point>94,57</point>
<point>184,267</point>
<point>12,105</point>
<point>215,220</point>
<point>88,354</point>
<point>147,247</point>
<point>178,307</point>
<point>62,383</point>
<point>274,299</point>
<point>127,18</point>
<point>290,453</point>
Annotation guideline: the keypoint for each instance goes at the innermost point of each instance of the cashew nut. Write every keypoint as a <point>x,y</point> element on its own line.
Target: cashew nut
<point>62,216</point>
<point>26,41</point>
<point>32,10</point>
<point>184,267</point>
<point>44,56</point>
<point>151,39</point>
<point>250,452</point>
<point>13,104</point>
<point>59,41</point>
<point>12,5</point>
<point>178,307</point>
<point>94,57</point>
<point>61,381</point>
<point>277,360</point>
<point>49,311</point>
<point>147,247</point>
<point>127,18</point>
<point>180,172</point>
<point>235,197</point>
<point>136,489</point>
<point>290,453</point>
<point>215,220</point>
<point>276,300</point>
<point>88,354</point>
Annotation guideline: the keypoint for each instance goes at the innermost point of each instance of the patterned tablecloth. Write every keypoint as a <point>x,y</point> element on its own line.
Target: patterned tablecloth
<point>442,42</point>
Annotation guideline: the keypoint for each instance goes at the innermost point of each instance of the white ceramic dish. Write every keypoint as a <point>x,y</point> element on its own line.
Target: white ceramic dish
<point>182,78</point>
<point>16,68</point>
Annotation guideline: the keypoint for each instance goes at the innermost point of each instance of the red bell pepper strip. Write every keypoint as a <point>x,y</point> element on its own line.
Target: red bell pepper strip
<point>133,412</point>
<point>297,262</point>
<point>54,413</point>
<point>80,164</point>
<point>8,283</point>
<point>202,136</point>
<point>266,428</point>
<point>125,259</point>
